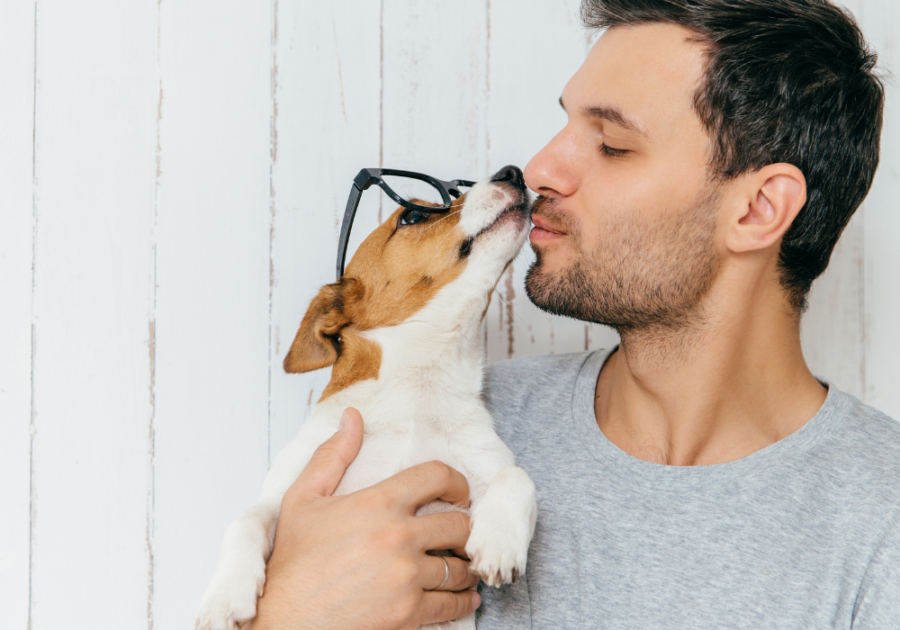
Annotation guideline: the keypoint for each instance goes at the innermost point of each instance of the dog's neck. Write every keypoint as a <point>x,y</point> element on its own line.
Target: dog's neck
<point>438,349</point>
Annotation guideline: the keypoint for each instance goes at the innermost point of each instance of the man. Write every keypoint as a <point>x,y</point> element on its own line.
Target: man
<point>698,475</point>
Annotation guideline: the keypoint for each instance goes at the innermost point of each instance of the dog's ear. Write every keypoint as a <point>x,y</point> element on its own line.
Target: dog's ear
<point>318,343</point>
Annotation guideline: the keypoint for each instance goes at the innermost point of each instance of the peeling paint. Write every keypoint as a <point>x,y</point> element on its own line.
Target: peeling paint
<point>152,350</point>
<point>381,99</point>
<point>552,338</point>
<point>337,56</point>
<point>487,83</point>
<point>274,131</point>
<point>275,113</point>
<point>510,296</point>
<point>159,100</point>
<point>159,104</point>
<point>151,451</point>
<point>272,219</point>
<point>151,336</point>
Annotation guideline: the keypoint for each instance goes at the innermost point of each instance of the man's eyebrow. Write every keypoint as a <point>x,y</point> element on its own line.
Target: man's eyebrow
<point>613,115</point>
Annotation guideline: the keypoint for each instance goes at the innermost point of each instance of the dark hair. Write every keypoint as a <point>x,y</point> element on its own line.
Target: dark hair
<point>785,81</point>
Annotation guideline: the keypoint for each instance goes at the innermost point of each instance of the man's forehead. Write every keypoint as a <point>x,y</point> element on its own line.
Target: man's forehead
<point>645,76</point>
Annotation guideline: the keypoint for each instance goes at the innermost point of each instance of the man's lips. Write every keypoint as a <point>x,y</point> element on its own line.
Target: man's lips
<point>543,231</point>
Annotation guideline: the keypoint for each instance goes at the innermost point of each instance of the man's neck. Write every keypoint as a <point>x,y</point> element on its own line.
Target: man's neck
<point>710,394</point>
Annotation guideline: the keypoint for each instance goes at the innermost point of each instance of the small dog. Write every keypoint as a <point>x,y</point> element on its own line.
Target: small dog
<point>401,330</point>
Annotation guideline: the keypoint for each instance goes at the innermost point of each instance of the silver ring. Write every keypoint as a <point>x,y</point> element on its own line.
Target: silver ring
<point>446,573</point>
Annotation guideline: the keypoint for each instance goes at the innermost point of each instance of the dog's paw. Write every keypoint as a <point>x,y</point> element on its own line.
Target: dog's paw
<point>498,554</point>
<point>502,526</point>
<point>230,600</point>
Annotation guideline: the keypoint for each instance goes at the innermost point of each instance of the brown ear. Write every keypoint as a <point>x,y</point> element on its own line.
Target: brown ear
<point>317,343</point>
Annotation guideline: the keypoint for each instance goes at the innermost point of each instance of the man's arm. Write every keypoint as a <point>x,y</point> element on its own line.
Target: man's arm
<point>358,560</point>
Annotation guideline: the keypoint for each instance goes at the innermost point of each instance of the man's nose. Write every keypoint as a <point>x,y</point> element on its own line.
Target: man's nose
<point>550,173</point>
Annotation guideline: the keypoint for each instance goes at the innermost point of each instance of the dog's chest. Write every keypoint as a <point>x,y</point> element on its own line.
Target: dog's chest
<point>385,453</point>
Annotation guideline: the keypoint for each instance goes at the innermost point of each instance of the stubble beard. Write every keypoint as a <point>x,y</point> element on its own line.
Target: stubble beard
<point>642,281</point>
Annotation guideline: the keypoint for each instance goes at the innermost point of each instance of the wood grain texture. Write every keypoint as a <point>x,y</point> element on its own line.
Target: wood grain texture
<point>17,29</point>
<point>212,300</point>
<point>180,210</point>
<point>94,138</point>
<point>435,83</point>
<point>850,333</point>
<point>834,329</point>
<point>327,125</point>
<point>881,24</point>
<point>523,115</point>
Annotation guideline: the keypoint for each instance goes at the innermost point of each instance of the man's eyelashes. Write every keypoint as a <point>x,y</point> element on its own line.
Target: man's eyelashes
<point>611,152</point>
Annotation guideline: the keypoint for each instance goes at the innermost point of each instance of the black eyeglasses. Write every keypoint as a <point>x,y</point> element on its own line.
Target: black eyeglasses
<point>416,187</point>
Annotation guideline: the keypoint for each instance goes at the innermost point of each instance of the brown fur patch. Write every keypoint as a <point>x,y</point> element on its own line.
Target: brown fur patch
<point>366,363</point>
<point>315,345</point>
<point>393,274</point>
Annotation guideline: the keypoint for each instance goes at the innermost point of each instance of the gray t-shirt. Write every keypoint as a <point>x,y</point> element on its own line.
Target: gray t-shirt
<point>804,533</point>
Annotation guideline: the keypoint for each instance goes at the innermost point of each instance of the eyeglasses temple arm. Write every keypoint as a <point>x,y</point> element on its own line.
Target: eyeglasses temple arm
<point>349,215</point>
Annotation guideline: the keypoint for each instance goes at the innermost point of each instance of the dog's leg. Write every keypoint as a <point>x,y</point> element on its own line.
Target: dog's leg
<point>466,623</point>
<point>504,514</point>
<point>240,575</point>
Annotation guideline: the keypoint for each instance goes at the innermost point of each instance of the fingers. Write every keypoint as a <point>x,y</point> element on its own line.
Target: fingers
<point>440,606</point>
<point>328,464</point>
<point>446,530</point>
<point>416,486</point>
<point>459,578</point>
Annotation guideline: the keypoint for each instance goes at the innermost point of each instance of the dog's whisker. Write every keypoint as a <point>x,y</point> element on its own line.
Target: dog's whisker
<point>450,214</point>
<point>510,307</point>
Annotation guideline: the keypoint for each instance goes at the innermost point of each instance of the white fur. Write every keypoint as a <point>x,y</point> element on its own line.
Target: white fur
<point>425,405</point>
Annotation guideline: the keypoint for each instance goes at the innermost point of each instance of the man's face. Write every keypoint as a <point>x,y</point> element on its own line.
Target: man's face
<point>625,229</point>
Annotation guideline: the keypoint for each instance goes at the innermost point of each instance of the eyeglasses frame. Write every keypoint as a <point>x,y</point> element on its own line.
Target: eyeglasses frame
<point>369,176</point>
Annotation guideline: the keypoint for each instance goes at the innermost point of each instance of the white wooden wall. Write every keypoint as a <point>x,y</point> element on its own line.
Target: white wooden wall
<point>172,176</point>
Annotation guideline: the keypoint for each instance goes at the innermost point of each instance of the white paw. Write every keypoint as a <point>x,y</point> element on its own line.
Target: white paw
<point>502,527</point>
<point>230,600</point>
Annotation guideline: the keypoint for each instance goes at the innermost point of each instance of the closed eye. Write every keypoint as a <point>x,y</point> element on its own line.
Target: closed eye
<point>611,152</point>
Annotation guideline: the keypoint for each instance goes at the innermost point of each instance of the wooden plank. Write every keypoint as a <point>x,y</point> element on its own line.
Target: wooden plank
<point>17,28</point>
<point>881,24</point>
<point>435,85</point>
<point>212,300</point>
<point>522,117</point>
<point>326,128</point>
<point>833,329</point>
<point>94,136</point>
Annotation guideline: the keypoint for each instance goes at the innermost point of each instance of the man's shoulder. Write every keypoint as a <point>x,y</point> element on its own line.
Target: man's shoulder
<point>536,365</point>
<point>868,437</point>
<point>514,380</point>
<point>859,461</point>
<point>530,395</point>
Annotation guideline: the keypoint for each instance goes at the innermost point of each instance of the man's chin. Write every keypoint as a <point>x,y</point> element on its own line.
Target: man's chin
<point>545,289</point>
<point>567,293</point>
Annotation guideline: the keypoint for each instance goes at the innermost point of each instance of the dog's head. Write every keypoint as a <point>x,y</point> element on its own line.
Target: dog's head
<point>406,262</point>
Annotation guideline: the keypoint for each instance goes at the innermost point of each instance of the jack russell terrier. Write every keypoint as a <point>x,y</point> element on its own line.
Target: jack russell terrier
<point>401,332</point>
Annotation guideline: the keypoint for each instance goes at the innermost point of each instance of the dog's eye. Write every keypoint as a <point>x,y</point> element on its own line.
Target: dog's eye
<point>412,216</point>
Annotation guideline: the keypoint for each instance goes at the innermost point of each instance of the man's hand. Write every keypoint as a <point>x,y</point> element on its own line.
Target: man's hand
<point>358,560</point>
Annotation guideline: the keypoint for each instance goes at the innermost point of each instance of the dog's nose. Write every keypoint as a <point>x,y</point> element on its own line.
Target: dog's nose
<point>512,175</point>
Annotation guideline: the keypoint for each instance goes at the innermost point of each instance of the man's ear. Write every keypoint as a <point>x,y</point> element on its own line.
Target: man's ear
<point>317,343</point>
<point>776,194</point>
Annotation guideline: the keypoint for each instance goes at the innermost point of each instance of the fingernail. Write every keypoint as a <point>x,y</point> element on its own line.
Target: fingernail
<point>476,601</point>
<point>344,419</point>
